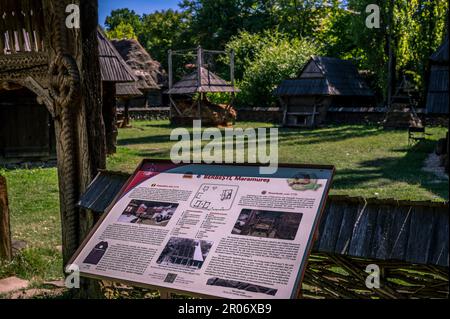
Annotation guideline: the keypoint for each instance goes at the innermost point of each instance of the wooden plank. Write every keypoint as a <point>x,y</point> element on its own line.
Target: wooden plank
<point>438,254</point>
<point>399,233</point>
<point>5,231</point>
<point>93,191</point>
<point>322,226</point>
<point>380,240</point>
<point>37,26</point>
<point>350,212</point>
<point>363,231</point>
<point>331,228</point>
<point>107,195</point>
<point>419,241</point>
<point>10,23</point>
<point>2,34</point>
<point>20,27</point>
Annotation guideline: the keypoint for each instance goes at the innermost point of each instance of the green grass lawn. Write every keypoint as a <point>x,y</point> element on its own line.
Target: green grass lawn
<point>370,162</point>
<point>34,206</point>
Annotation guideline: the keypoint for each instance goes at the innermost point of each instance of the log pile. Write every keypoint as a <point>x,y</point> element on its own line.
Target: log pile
<point>211,114</point>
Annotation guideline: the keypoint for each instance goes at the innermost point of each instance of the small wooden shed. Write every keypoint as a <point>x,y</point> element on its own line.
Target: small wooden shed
<point>185,108</point>
<point>323,83</point>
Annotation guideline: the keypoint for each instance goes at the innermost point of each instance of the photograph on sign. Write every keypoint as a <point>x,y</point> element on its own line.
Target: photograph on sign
<point>210,230</point>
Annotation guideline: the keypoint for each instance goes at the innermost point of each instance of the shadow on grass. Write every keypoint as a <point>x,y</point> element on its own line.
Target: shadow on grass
<point>331,134</point>
<point>167,125</point>
<point>286,135</point>
<point>406,169</point>
<point>151,139</point>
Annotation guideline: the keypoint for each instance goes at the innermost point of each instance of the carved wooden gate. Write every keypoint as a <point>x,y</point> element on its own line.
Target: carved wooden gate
<point>39,52</point>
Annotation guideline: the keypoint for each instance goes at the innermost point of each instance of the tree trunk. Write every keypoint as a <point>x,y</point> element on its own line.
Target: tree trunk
<point>5,231</point>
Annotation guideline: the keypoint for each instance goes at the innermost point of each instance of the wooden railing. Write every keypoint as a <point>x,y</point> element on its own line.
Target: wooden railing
<point>21,26</point>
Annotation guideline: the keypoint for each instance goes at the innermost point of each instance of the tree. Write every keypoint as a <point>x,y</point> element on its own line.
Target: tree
<point>125,16</point>
<point>272,58</point>
<point>417,30</point>
<point>165,30</point>
<point>122,31</point>
<point>214,22</point>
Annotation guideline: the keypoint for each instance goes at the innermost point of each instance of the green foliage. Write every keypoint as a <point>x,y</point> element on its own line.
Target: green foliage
<point>264,61</point>
<point>246,46</point>
<point>122,31</point>
<point>418,27</point>
<point>219,98</point>
<point>215,22</point>
<point>339,26</point>
<point>165,30</point>
<point>126,16</point>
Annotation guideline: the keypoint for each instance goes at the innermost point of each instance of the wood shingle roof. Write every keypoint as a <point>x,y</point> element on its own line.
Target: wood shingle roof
<point>209,83</point>
<point>112,66</point>
<point>326,76</point>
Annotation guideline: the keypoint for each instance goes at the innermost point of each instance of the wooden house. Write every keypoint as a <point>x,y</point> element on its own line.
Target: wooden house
<point>26,130</point>
<point>437,98</point>
<point>437,95</point>
<point>152,78</point>
<point>323,84</point>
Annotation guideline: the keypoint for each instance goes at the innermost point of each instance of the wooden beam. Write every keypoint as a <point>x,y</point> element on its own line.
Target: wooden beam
<point>42,94</point>
<point>5,230</point>
<point>170,69</point>
<point>172,102</point>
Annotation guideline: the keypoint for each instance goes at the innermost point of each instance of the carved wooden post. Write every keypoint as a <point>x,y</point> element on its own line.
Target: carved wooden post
<point>5,231</point>
<point>75,85</point>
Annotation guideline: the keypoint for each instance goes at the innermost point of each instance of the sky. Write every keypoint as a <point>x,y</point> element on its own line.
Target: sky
<point>139,6</point>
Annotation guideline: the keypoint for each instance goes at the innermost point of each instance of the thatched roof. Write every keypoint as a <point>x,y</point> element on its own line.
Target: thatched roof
<point>150,72</point>
<point>209,83</point>
<point>326,76</point>
<point>112,66</point>
<point>437,97</point>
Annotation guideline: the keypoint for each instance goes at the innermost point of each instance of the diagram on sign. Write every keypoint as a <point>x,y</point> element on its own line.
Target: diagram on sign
<point>214,197</point>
